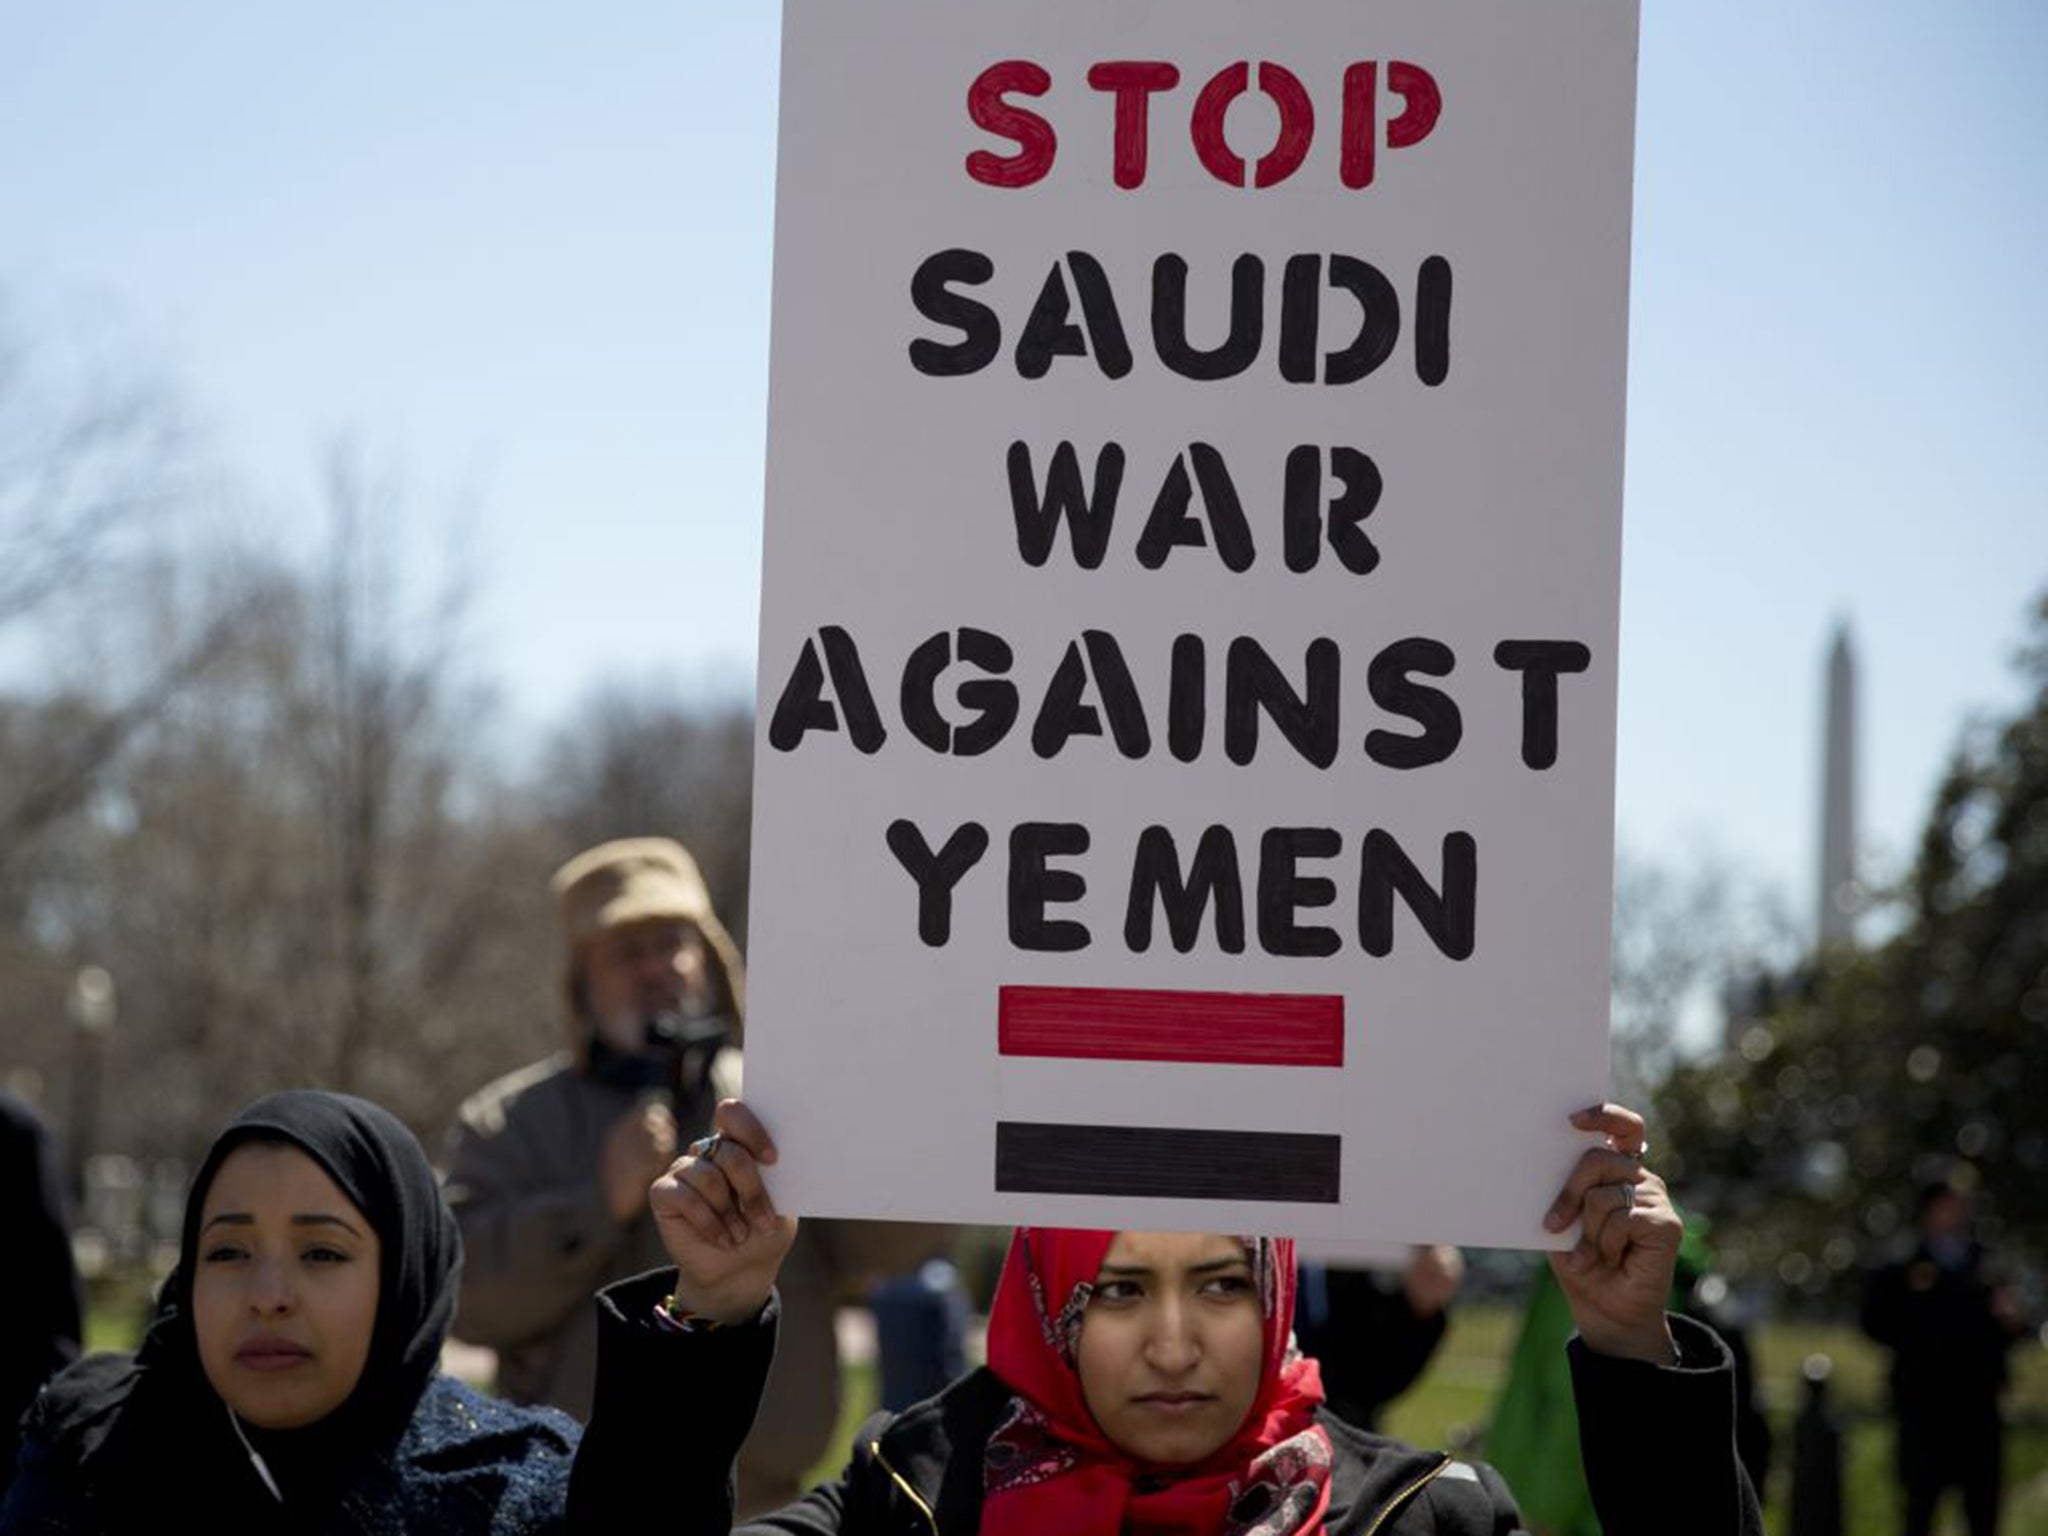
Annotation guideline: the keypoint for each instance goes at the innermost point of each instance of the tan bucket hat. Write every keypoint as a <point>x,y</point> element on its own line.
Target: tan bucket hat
<point>635,880</point>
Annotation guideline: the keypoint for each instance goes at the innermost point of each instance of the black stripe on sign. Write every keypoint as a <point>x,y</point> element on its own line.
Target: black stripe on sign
<point>1041,1159</point>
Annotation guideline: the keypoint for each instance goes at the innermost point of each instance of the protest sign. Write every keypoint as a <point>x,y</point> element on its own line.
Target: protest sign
<point>1184,778</point>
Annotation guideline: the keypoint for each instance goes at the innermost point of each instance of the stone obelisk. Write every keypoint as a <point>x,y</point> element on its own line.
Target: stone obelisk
<point>1839,897</point>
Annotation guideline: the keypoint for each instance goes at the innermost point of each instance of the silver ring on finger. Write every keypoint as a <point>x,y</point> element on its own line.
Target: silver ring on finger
<point>1628,1196</point>
<point>705,1148</point>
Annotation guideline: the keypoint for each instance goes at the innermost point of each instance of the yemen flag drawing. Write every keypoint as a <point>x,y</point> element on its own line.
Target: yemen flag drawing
<point>1175,1162</point>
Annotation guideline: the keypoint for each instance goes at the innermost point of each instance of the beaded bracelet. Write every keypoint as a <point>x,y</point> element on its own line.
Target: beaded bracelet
<point>672,1317</point>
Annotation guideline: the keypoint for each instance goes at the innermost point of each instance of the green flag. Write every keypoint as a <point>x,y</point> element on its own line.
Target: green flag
<point>1534,1438</point>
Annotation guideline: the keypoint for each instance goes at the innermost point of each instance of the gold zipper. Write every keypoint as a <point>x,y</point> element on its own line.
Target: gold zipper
<point>1387,1512</point>
<point>875,1450</point>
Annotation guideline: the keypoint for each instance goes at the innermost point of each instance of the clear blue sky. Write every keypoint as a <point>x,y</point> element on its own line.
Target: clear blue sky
<point>523,251</point>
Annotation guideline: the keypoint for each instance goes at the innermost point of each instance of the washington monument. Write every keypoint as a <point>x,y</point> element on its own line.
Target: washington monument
<point>1838,898</point>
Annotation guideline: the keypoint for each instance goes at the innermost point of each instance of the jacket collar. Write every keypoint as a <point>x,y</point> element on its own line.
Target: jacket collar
<point>932,1452</point>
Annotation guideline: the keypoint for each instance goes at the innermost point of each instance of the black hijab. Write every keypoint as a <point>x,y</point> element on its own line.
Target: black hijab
<point>150,1436</point>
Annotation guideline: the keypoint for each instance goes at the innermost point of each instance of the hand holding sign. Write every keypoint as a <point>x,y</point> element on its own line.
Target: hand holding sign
<point>728,1243</point>
<point>1618,1278</point>
<point>717,1222</point>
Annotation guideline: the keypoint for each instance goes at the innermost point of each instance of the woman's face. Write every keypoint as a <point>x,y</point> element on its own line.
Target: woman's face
<point>284,1290</point>
<point>1171,1344</point>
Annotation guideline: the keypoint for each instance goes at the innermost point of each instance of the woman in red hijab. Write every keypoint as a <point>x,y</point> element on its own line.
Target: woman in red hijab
<point>1140,1383</point>
<point>1132,1351</point>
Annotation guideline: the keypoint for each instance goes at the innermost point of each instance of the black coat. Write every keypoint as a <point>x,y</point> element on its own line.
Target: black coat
<point>1949,1345</point>
<point>1659,1444</point>
<point>40,1329</point>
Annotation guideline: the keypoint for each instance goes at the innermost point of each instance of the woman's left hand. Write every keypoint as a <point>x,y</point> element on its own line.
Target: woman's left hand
<point>717,1222</point>
<point>1618,1278</point>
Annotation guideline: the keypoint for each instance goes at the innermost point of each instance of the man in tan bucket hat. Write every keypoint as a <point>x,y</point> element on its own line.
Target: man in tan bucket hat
<point>549,1167</point>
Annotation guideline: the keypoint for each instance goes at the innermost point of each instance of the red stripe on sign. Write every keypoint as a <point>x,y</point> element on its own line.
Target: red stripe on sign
<point>1252,1029</point>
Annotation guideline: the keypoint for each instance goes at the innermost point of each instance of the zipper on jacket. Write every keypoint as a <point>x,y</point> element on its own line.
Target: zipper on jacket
<point>1387,1511</point>
<point>875,1450</point>
<point>1393,1505</point>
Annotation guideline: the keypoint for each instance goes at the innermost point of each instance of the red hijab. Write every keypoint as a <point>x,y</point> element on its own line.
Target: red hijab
<point>1049,1467</point>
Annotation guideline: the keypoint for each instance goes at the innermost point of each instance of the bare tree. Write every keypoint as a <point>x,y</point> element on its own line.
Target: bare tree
<point>86,455</point>
<point>304,870</point>
<point>420,944</point>
<point>59,748</point>
<point>92,461</point>
<point>1683,933</point>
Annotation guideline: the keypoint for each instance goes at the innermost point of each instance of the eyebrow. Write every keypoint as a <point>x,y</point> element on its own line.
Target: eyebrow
<point>1213,1266</point>
<point>309,1219</point>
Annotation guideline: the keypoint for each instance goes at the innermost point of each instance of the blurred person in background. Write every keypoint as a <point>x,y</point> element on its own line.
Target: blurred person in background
<point>921,1322</point>
<point>548,1167</point>
<point>1374,1330</point>
<point>40,1327</point>
<point>1949,1327</point>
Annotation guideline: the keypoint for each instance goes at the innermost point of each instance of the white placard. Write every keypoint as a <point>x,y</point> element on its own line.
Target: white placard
<point>1321,310</point>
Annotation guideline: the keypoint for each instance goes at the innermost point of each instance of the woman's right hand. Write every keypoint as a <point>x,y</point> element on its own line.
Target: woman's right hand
<point>717,1222</point>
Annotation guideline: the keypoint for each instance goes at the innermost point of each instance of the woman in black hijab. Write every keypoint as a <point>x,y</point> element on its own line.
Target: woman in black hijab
<point>289,1380</point>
